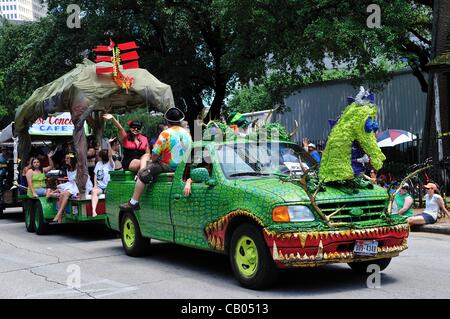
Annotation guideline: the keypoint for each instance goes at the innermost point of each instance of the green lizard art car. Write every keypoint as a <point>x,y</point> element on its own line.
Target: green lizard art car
<point>258,203</point>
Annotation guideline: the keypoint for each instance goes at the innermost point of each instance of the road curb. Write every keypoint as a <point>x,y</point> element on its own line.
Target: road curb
<point>435,228</point>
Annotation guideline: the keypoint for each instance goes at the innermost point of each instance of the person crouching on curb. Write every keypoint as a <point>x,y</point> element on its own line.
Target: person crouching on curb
<point>167,153</point>
<point>433,204</point>
<point>101,176</point>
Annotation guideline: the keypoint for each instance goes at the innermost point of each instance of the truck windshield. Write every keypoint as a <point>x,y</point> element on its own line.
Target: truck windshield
<point>243,160</point>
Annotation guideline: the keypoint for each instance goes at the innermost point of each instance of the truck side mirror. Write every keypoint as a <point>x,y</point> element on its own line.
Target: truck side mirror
<point>200,175</point>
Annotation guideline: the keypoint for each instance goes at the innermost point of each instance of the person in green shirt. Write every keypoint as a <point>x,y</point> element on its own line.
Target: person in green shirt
<point>36,176</point>
<point>404,202</point>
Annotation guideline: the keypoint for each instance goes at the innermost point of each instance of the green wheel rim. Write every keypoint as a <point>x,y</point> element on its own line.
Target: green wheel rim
<point>28,216</point>
<point>246,256</point>
<point>129,233</point>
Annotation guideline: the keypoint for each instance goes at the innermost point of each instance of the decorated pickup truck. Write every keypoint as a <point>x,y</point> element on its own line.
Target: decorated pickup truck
<point>263,205</point>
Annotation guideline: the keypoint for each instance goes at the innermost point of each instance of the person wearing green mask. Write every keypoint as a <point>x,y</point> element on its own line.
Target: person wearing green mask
<point>404,202</point>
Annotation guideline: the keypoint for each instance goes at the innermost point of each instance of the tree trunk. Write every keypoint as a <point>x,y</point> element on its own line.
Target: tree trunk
<point>441,43</point>
<point>216,106</point>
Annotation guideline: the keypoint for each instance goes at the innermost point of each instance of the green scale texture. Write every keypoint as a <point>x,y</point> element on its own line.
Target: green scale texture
<point>167,215</point>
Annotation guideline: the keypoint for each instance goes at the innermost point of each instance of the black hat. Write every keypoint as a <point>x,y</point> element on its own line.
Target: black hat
<point>135,124</point>
<point>174,115</point>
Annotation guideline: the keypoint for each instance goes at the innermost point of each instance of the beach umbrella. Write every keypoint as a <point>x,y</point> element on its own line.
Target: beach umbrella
<point>392,137</point>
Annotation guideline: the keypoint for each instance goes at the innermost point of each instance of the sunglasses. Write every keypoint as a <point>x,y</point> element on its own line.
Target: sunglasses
<point>135,128</point>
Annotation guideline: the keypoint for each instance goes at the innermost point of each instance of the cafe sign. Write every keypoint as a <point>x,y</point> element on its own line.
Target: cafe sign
<point>60,125</point>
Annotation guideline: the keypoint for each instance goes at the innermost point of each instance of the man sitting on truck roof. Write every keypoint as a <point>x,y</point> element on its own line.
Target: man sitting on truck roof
<point>167,153</point>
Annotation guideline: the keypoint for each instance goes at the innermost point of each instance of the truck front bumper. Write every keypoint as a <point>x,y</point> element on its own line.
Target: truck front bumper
<point>313,248</point>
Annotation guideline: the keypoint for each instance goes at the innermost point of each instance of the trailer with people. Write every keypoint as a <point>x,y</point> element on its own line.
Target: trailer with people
<point>68,194</point>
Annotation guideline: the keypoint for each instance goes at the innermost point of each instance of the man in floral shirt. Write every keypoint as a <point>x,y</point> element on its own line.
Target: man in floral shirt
<point>167,153</point>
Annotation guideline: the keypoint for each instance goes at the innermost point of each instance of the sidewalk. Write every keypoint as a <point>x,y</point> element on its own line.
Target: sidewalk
<point>442,226</point>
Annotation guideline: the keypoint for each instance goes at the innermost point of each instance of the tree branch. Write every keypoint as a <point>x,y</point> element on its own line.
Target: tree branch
<point>420,37</point>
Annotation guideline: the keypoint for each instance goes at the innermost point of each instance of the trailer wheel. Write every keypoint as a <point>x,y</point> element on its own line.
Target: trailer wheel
<point>40,226</point>
<point>28,211</point>
<point>132,241</point>
<point>361,267</point>
<point>250,258</point>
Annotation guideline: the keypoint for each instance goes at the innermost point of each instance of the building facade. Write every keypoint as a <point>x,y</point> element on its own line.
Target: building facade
<point>401,104</point>
<point>22,10</point>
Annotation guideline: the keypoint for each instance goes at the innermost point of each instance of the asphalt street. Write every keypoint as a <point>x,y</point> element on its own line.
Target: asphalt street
<point>87,261</point>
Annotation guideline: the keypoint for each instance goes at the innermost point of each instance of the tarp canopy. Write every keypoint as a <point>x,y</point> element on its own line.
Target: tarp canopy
<point>82,91</point>
<point>7,133</point>
<point>100,91</point>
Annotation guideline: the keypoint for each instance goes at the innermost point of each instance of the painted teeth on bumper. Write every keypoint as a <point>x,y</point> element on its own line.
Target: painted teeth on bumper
<point>306,249</point>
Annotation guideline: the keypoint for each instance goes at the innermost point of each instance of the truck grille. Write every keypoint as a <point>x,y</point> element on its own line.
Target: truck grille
<point>370,210</point>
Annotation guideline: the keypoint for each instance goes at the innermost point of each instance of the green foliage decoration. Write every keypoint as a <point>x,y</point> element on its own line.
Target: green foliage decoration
<point>336,160</point>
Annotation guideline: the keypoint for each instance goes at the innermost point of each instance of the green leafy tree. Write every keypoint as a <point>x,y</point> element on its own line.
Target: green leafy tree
<point>296,37</point>
<point>203,47</point>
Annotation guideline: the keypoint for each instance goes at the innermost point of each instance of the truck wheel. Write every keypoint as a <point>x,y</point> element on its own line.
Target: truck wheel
<point>132,241</point>
<point>40,226</point>
<point>28,211</point>
<point>250,259</point>
<point>361,267</point>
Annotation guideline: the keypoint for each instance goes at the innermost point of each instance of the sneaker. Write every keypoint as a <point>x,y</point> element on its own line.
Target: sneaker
<point>129,207</point>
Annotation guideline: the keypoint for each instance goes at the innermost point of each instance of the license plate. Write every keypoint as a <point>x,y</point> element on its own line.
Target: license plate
<point>366,247</point>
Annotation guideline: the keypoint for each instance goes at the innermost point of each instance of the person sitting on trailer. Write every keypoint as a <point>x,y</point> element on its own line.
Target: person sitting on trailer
<point>68,189</point>
<point>101,176</point>
<point>117,158</point>
<point>36,176</point>
<point>136,149</point>
<point>167,153</point>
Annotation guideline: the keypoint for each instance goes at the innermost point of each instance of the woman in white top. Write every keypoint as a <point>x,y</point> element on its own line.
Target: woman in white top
<point>433,204</point>
<point>101,176</point>
<point>68,189</point>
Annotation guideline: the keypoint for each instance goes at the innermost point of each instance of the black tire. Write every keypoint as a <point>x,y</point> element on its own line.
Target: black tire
<point>132,241</point>
<point>1,211</point>
<point>28,212</point>
<point>40,226</point>
<point>264,272</point>
<point>361,267</point>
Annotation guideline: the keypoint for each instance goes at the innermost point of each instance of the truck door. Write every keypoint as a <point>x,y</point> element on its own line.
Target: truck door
<point>191,213</point>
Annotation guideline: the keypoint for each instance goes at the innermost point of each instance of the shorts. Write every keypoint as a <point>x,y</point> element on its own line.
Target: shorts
<point>126,163</point>
<point>41,191</point>
<point>148,174</point>
<point>428,218</point>
<point>102,190</point>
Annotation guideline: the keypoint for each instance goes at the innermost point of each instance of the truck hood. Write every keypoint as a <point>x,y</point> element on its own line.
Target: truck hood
<point>292,192</point>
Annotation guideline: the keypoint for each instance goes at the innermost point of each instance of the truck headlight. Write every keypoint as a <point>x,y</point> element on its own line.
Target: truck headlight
<point>299,213</point>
